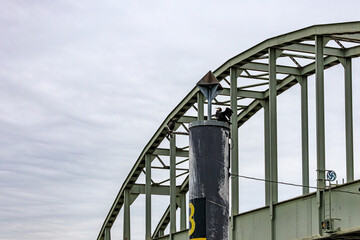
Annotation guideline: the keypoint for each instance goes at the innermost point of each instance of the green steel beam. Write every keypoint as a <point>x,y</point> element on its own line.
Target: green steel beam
<point>262,67</point>
<point>311,68</point>
<point>200,101</point>
<point>347,37</point>
<point>166,152</point>
<point>155,189</point>
<point>168,167</point>
<point>164,221</point>
<point>257,77</point>
<point>234,163</point>
<point>247,113</point>
<point>183,211</point>
<point>253,85</point>
<point>185,185</point>
<point>320,126</point>
<point>188,119</point>
<point>148,197</point>
<point>265,104</point>
<point>273,138</point>
<point>250,94</point>
<point>308,48</point>
<point>126,222</point>
<point>297,55</point>
<point>173,184</point>
<point>304,134</point>
<point>133,197</point>
<point>107,234</point>
<point>352,52</point>
<point>244,93</point>
<point>349,120</point>
<point>273,124</point>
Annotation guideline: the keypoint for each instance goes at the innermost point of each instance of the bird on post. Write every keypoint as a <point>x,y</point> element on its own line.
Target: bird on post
<point>170,127</point>
<point>223,116</point>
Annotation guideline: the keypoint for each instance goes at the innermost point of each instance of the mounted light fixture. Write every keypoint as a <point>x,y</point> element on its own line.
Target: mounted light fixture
<point>210,87</point>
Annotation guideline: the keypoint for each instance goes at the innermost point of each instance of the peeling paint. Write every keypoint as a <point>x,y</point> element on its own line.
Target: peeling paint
<point>209,175</point>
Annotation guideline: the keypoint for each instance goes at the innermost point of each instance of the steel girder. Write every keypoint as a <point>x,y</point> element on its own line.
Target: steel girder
<point>341,42</point>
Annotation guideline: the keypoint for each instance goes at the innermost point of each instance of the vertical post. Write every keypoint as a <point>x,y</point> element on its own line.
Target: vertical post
<point>320,125</point>
<point>349,121</point>
<point>172,184</point>
<point>234,163</point>
<point>200,100</point>
<point>265,104</point>
<point>183,211</point>
<point>126,221</point>
<point>273,124</point>
<point>304,134</point>
<point>148,197</point>
<point>209,180</point>
<point>273,138</point>
<point>209,105</point>
<point>107,234</point>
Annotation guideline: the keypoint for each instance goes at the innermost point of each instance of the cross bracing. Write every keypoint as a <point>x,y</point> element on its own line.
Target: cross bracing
<point>268,69</point>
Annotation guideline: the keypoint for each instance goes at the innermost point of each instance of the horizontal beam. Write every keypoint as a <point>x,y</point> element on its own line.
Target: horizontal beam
<point>352,52</point>
<point>253,85</point>
<point>308,48</point>
<point>347,37</point>
<point>155,189</point>
<point>297,56</point>
<point>244,93</point>
<point>250,94</point>
<point>262,67</point>
<point>168,167</point>
<point>166,152</point>
<point>187,119</point>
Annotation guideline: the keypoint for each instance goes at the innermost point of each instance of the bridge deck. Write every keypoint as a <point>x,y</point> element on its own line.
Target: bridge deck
<point>297,218</point>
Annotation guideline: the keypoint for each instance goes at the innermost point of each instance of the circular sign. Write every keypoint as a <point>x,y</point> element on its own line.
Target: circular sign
<point>331,175</point>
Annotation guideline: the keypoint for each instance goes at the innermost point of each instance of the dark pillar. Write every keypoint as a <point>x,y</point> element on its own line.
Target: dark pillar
<point>209,180</point>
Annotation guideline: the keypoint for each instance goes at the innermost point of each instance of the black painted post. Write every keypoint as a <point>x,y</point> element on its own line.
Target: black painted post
<point>209,180</point>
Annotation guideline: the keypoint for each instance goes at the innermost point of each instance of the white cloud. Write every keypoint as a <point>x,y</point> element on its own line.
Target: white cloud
<point>85,84</point>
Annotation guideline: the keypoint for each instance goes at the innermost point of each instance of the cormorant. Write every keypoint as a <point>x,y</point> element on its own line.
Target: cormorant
<point>223,116</point>
<point>170,127</point>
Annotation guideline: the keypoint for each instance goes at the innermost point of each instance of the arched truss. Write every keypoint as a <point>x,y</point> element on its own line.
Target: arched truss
<point>274,66</point>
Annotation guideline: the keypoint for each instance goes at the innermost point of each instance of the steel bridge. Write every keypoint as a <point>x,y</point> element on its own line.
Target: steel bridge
<point>274,66</point>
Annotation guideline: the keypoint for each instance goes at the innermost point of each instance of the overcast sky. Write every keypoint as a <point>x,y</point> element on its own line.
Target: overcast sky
<point>85,84</point>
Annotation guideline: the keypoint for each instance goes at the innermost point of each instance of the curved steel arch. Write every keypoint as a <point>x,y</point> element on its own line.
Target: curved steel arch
<point>254,64</point>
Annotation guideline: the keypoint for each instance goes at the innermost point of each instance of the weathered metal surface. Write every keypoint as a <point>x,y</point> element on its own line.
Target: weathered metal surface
<point>209,180</point>
<point>210,87</point>
<point>234,161</point>
<point>298,218</point>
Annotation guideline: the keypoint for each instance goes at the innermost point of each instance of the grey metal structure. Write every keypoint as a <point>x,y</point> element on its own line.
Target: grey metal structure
<point>309,51</point>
